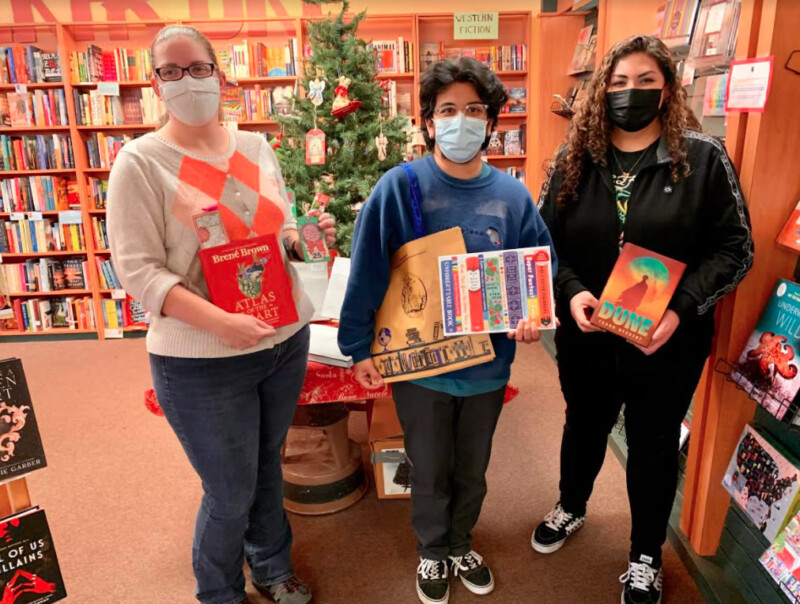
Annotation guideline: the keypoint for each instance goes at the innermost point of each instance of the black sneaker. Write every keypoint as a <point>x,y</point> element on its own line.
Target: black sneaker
<point>642,582</point>
<point>433,586</point>
<point>474,574</point>
<point>550,535</point>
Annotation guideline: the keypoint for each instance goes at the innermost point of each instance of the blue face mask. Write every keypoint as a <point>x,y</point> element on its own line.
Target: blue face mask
<point>460,138</point>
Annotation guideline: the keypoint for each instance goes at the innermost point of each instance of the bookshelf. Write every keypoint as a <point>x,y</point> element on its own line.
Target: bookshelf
<point>130,37</point>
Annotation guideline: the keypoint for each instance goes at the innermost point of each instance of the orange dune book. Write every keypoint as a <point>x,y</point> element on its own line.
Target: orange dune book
<point>637,294</point>
<point>789,237</point>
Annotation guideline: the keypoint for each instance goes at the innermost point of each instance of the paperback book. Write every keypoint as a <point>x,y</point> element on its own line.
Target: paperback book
<point>21,450</point>
<point>492,292</point>
<point>29,571</point>
<point>789,237</point>
<point>763,482</point>
<point>782,559</point>
<point>637,294</point>
<point>767,369</point>
<point>250,277</point>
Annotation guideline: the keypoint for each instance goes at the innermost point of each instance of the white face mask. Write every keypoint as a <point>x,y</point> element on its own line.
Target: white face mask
<point>190,100</point>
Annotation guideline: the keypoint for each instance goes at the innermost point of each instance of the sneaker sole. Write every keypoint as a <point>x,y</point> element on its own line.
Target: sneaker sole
<point>622,598</point>
<point>547,549</point>
<point>480,590</point>
<point>426,600</point>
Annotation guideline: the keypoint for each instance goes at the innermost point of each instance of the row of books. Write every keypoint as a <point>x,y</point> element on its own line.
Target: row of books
<point>27,64</point>
<point>516,173</point>
<point>257,60</point>
<point>100,232</point>
<point>240,104</point>
<point>102,149</point>
<point>393,56</point>
<point>396,101</point>
<point>98,192</point>
<point>39,108</point>
<point>38,194</point>
<point>39,152</point>
<point>512,57</point>
<point>117,65</point>
<point>132,106</point>
<point>45,314</point>
<point>507,142</point>
<point>517,100</point>
<point>45,235</point>
<point>108,275</point>
<point>45,275</point>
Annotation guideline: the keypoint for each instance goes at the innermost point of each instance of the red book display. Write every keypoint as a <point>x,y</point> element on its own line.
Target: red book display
<point>249,277</point>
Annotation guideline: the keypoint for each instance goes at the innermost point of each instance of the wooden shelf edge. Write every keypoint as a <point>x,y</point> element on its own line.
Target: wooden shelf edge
<point>54,294</point>
<point>32,86</point>
<point>32,128</point>
<point>41,254</point>
<point>50,332</point>
<point>18,173</point>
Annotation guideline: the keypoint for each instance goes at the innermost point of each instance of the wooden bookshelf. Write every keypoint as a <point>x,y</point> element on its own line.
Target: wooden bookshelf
<point>65,38</point>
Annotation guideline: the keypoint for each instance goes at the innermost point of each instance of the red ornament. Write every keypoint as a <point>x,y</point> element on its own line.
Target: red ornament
<point>342,105</point>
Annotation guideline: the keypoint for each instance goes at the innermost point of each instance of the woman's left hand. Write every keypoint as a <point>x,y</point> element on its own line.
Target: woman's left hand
<point>669,323</point>
<point>526,332</point>
<point>328,224</point>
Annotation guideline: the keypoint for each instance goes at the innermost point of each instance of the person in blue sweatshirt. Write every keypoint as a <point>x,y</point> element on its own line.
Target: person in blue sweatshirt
<point>448,420</point>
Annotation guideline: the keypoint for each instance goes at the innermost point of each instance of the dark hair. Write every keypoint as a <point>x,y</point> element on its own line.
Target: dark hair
<point>590,130</point>
<point>444,74</point>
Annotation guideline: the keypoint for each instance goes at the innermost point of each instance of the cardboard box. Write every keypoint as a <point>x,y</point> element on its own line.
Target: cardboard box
<point>388,452</point>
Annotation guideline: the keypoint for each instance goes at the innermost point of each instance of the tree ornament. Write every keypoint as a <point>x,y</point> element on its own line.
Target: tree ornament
<point>276,140</point>
<point>342,105</point>
<point>315,147</point>
<point>315,88</point>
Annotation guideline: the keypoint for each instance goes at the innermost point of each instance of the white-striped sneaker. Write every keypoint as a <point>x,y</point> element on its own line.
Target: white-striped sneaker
<point>551,534</point>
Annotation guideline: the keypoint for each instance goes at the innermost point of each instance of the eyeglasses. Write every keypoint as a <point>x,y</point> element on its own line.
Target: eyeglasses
<point>173,73</point>
<point>474,110</point>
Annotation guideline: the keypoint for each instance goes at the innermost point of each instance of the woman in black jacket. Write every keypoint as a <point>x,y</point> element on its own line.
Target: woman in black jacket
<point>635,168</point>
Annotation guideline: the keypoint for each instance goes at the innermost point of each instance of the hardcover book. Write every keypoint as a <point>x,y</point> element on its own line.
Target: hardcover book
<point>513,142</point>
<point>789,237</point>
<point>51,66</point>
<point>250,277</point>
<point>517,100</point>
<point>637,293</point>
<point>762,482</point>
<point>496,145</point>
<point>21,450</point>
<point>491,292</point>
<point>29,571</point>
<point>767,369</point>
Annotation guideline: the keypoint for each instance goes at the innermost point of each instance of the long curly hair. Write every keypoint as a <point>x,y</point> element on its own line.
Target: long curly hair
<point>590,131</point>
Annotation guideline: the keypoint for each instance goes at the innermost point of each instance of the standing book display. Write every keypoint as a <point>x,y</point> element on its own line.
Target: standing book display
<point>29,571</point>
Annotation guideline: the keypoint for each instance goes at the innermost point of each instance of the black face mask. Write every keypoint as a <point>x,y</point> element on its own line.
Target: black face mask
<point>633,109</point>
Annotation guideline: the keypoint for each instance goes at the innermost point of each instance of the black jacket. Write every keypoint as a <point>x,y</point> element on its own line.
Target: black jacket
<point>701,220</point>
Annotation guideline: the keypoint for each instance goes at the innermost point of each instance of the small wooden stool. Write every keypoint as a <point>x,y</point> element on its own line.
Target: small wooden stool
<point>322,467</point>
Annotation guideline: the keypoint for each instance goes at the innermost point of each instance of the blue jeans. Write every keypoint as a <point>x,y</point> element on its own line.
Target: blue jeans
<point>231,416</point>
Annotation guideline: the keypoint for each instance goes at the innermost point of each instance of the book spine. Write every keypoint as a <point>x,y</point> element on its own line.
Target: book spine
<point>448,304</point>
<point>543,287</point>
<point>512,289</point>
<point>457,285</point>
<point>474,282</point>
<point>530,288</point>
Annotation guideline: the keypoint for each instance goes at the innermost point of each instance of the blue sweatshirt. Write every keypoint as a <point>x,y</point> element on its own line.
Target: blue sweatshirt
<point>494,213</point>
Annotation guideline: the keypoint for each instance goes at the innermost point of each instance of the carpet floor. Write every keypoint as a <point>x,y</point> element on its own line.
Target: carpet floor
<point>121,498</point>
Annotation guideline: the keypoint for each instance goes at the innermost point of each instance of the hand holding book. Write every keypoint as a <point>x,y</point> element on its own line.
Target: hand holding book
<point>663,333</point>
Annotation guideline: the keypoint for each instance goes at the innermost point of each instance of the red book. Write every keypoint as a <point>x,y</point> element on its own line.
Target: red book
<point>637,294</point>
<point>475,294</point>
<point>249,277</point>
<point>790,234</point>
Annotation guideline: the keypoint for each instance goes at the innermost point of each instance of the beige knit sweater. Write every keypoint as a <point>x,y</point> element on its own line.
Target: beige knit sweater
<point>154,190</point>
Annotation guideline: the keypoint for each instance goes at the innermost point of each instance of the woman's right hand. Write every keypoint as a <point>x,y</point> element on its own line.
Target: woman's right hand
<point>242,331</point>
<point>367,375</point>
<point>581,306</point>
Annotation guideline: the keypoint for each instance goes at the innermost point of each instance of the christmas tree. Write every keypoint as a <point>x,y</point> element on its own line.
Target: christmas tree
<point>338,74</point>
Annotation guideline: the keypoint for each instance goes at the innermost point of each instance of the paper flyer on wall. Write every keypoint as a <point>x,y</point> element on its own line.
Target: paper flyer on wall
<point>492,292</point>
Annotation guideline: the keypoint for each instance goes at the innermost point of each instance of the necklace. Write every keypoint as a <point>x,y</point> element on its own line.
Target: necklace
<point>626,174</point>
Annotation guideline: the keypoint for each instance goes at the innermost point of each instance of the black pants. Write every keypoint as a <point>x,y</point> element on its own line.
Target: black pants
<point>599,372</point>
<point>448,441</point>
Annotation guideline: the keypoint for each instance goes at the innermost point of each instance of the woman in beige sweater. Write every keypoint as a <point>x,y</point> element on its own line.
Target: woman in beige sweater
<point>228,383</point>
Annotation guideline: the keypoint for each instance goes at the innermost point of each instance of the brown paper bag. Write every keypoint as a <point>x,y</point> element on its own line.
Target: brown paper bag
<point>409,337</point>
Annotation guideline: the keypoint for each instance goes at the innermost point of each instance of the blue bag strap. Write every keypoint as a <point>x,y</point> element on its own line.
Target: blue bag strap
<point>416,201</point>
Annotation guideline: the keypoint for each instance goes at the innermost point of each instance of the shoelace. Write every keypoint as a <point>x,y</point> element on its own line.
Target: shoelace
<point>642,576</point>
<point>432,569</point>
<point>470,561</point>
<point>557,518</point>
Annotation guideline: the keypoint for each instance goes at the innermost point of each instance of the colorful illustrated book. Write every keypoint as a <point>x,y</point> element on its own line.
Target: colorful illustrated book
<point>768,367</point>
<point>250,277</point>
<point>29,571</point>
<point>782,560</point>
<point>789,237</point>
<point>496,145</point>
<point>21,450</point>
<point>582,51</point>
<point>637,293</point>
<point>312,239</point>
<point>763,482</point>
<point>492,292</point>
<point>517,100</point>
<point>210,229</point>
<point>679,19</point>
